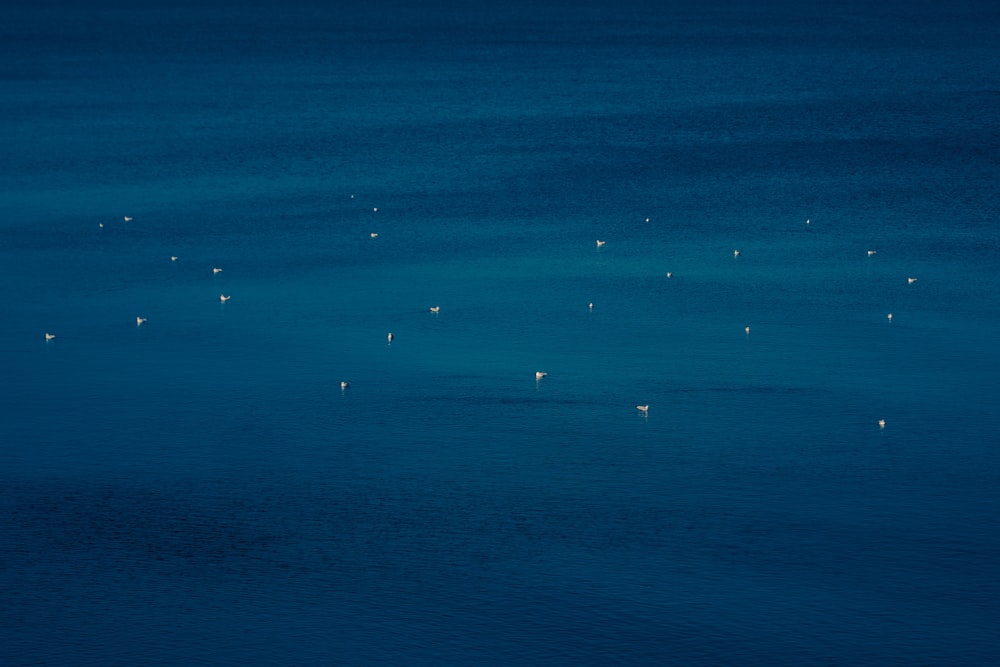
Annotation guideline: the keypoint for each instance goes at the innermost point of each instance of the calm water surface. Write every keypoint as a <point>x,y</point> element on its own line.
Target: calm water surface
<point>199,489</point>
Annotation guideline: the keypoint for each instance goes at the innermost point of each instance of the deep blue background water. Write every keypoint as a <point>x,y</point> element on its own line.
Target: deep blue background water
<point>199,489</point>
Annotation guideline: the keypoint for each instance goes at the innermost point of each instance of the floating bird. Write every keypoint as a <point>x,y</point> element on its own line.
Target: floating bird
<point>670,274</point>
<point>390,337</point>
<point>101,225</point>
<point>807,221</point>
<point>881,423</point>
<point>889,316</point>
<point>910,281</point>
<point>127,218</point>
<point>216,270</point>
<point>374,235</point>
<point>375,210</point>
<point>647,219</point>
<point>736,253</point>
<point>223,298</point>
<point>747,330</point>
<point>139,321</point>
<point>871,252</point>
<point>49,336</point>
<point>540,374</point>
<point>642,408</point>
<point>600,243</point>
<point>591,305</point>
<point>344,384</point>
<point>435,309</point>
<point>173,258</point>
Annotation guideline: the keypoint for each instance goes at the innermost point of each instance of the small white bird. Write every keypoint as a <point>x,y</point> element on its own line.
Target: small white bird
<point>344,384</point>
<point>540,374</point>
<point>101,225</point>
<point>807,221</point>
<point>647,219</point>
<point>127,218</point>
<point>642,408</point>
<point>139,321</point>
<point>216,270</point>
<point>223,298</point>
<point>390,337</point>
<point>375,210</point>
<point>591,305</point>
<point>173,258</point>
<point>881,423</point>
<point>374,235</point>
<point>910,281</point>
<point>435,309</point>
<point>600,243</point>
<point>871,252</point>
<point>670,274</point>
<point>747,330</point>
<point>889,317</point>
<point>736,253</point>
<point>49,336</point>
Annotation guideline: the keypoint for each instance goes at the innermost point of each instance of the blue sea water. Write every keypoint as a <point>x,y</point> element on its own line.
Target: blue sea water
<point>200,490</point>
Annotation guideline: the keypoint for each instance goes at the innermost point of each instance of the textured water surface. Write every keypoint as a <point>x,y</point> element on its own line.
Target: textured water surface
<point>199,489</point>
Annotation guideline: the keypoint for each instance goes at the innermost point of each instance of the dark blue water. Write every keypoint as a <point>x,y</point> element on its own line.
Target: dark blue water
<point>198,489</point>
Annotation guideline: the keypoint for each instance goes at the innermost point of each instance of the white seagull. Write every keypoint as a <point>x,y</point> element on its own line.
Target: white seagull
<point>216,270</point>
<point>910,281</point>
<point>600,243</point>
<point>747,330</point>
<point>540,374</point>
<point>591,305</point>
<point>173,258</point>
<point>390,337</point>
<point>344,384</point>
<point>139,321</point>
<point>736,253</point>
<point>127,218</point>
<point>881,423</point>
<point>871,252</point>
<point>374,235</point>
<point>642,408</point>
<point>435,309</point>
<point>670,274</point>
<point>223,298</point>
<point>889,317</point>
<point>49,336</point>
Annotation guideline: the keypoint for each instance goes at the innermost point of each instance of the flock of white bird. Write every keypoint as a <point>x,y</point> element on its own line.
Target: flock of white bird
<point>140,320</point>
<point>344,384</point>
<point>644,409</point>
